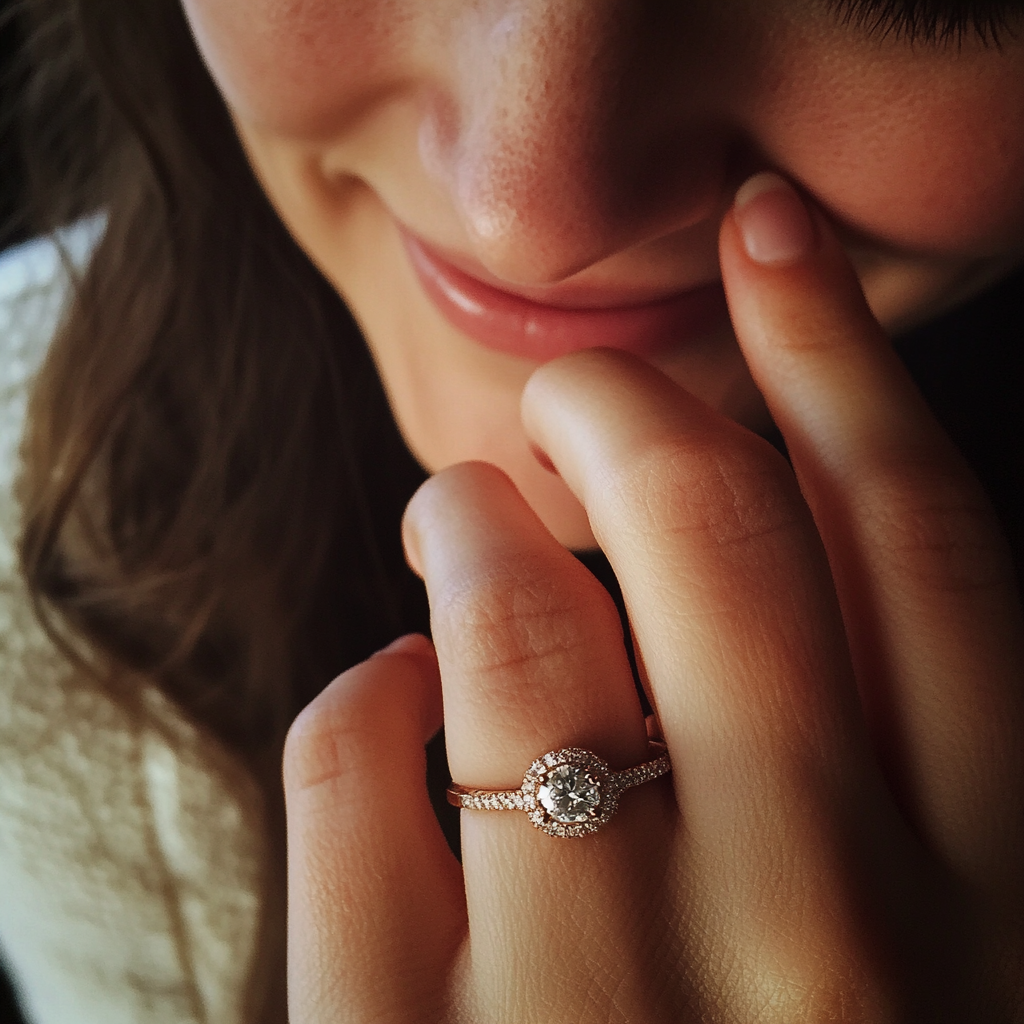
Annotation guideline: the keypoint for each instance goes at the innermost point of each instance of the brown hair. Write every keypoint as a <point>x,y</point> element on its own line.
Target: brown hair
<point>212,480</point>
<point>196,503</point>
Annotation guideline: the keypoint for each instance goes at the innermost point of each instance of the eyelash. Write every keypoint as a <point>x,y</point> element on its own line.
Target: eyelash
<point>935,22</point>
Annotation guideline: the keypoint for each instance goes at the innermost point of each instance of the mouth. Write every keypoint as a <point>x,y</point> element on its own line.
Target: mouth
<point>569,319</point>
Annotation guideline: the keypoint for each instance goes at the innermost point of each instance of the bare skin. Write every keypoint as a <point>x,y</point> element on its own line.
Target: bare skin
<point>600,143</point>
<point>834,650</point>
<point>835,656</point>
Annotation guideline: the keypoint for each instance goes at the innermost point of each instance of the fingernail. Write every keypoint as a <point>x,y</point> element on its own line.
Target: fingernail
<point>774,222</point>
<point>542,457</point>
<point>411,544</point>
<point>412,643</point>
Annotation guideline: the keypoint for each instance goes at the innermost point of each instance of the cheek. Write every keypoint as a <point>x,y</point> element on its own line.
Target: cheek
<point>931,162</point>
<point>297,68</point>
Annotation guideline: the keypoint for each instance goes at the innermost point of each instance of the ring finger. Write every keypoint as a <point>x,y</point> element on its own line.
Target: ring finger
<point>532,660</point>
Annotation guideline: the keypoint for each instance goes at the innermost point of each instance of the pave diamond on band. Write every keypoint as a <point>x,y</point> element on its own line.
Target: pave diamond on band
<point>566,793</point>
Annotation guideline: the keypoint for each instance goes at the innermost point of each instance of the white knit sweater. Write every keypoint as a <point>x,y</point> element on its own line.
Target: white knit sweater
<point>132,846</point>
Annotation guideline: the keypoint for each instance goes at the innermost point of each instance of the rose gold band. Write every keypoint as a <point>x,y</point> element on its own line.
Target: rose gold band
<point>566,793</point>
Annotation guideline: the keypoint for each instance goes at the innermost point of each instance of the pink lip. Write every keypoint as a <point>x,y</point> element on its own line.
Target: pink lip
<point>506,322</point>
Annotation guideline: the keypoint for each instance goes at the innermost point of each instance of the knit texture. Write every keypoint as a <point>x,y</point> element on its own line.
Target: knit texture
<point>133,851</point>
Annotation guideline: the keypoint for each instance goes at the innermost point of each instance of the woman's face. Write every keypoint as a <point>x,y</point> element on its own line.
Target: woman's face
<point>489,183</point>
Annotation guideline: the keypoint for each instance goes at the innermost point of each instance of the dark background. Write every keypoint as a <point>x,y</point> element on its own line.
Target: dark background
<point>11,184</point>
<point>11,179</point>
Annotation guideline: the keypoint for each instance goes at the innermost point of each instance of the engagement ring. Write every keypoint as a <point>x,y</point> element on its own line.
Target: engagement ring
<point>566,793</point>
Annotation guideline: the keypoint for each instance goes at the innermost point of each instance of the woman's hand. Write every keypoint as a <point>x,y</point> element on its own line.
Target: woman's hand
<point>835,658</point>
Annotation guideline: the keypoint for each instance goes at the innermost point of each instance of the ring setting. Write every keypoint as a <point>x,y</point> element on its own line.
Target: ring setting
<point>567,793</point>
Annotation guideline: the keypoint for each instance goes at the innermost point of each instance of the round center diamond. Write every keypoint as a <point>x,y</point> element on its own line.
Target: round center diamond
<point>569,793</point>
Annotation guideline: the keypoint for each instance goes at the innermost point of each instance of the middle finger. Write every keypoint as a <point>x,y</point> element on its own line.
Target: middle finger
<point>737,623</point>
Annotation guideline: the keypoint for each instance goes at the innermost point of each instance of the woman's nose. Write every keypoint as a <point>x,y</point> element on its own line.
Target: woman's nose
<point>565,135</point>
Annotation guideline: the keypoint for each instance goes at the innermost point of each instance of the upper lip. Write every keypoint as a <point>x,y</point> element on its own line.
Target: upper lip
<point>568,295</point>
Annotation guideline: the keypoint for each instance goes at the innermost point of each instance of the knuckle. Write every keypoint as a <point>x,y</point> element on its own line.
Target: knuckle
<point>512,623</point>
<point>335,736</point>
<point>836,976</point>
<point>710,493</point>
<point>850,991</point>
<point>934,526</point>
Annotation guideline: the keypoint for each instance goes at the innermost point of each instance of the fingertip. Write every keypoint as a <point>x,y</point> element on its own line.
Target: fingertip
<point>558,387</point>
<point>420,649</point>
<point>788,280</point>
<point>542,458</point>
<point>440,501</point>
<point>389,705</point>
<point>548,380</point>
<point>775,235</point>
<point>775,225</point>
<point>414,644</point>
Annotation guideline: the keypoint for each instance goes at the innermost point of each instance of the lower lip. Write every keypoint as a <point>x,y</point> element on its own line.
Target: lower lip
<point>508,323</point>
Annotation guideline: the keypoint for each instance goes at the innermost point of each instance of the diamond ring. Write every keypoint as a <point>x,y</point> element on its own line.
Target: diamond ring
<point>566,793</point>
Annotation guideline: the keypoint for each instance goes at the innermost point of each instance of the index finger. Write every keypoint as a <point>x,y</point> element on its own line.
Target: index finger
<point>925,580</point>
